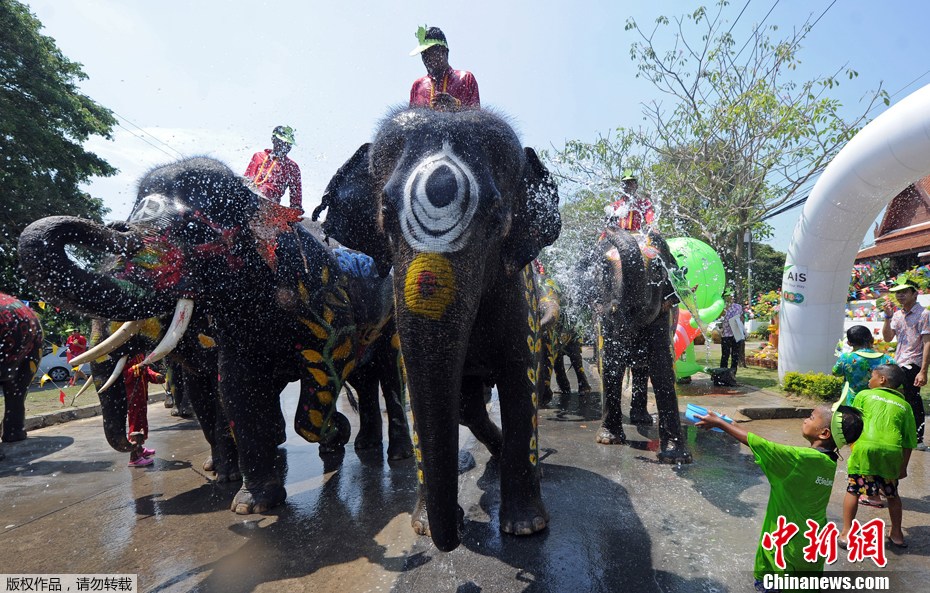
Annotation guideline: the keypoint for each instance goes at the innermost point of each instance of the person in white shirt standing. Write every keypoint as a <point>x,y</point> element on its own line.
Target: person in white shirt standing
<point>911,326</point>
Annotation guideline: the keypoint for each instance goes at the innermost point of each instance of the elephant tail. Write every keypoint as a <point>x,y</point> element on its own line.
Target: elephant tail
<point>353,399</point>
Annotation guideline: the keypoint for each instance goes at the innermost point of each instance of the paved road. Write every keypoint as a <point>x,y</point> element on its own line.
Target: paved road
<point>620,521</point>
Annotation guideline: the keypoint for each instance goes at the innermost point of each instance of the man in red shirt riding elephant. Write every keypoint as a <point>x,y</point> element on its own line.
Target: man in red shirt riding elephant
<point>272,172</point>
<point>443,88</point>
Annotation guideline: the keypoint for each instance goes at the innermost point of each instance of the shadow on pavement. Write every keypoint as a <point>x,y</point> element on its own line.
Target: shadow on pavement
<point>331,525</point>
<point>594,541</point>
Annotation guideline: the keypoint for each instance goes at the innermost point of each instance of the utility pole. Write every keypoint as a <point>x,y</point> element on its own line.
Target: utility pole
<point>747,238</point>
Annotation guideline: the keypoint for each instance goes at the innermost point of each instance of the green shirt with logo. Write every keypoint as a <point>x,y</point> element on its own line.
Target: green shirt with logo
<point>800,480</point>
<point>888,428</point>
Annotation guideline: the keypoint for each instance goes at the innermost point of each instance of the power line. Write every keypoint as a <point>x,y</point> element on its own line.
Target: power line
<point>759,26</point>
<point>152,136</point>
<point>738,16</point>
<point>156,147</point>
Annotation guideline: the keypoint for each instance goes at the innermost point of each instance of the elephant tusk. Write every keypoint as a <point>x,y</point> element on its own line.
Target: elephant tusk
<point>119,337</point>
<point>120,365</point>
<point>182,316</point>
<point>90,379</point>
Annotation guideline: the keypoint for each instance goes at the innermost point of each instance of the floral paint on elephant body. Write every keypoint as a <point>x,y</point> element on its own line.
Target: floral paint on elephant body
<point>534,344</point>
<point>329,353</point>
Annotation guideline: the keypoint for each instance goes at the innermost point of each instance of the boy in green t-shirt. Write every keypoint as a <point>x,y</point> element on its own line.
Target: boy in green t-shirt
<point>800,480</point>
<point>881,454</point>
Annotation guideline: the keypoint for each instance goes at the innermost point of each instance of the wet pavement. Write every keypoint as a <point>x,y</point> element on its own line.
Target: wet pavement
<point>619,520</point>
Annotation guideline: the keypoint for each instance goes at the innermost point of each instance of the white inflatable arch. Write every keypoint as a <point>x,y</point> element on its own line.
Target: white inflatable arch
<point>885,157</point>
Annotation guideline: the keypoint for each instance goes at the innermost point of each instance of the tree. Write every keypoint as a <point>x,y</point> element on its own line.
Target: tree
<point>734,137</point>
<point>44,120</point>
<point>768,267</point>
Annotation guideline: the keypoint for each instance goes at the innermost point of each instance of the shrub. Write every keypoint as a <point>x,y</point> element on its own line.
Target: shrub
<point>815,385</point>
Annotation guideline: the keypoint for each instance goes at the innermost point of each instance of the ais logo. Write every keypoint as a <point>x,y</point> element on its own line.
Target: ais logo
<point>793,297</point>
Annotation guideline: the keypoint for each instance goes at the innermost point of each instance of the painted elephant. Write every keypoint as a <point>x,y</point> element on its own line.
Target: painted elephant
<point>627,277</point>
<point>20,354</point>
<point>281,307</point>
<point>547,297</point>
<point>459,209</point>
<point>192,368</point>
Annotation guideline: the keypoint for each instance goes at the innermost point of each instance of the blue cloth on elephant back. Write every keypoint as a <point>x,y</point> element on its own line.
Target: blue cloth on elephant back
<point>355,263</point>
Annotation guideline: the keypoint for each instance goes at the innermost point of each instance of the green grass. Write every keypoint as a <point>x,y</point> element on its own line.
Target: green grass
<point>41,400</point>
<point>763,378</point>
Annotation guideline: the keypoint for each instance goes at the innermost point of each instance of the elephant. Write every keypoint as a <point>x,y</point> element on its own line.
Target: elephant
<point>561,338</point>
<point>281,307</point>
<point>20,354</point>
<point>459,209</point>
<point>192,370</point>
<point>627,276</point>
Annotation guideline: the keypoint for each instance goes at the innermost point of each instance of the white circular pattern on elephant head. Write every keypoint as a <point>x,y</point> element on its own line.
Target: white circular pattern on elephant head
<point>151,207</point>
<point>440,200</point>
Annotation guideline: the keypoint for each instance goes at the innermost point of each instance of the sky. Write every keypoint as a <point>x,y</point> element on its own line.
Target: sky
<point>213,77</point>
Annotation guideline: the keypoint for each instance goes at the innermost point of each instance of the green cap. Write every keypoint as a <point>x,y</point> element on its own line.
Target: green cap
<point>285,133</point>
<point>628,175</point>
<point>904,282</point>
<point>836,424</point>
<point>70,330</point>
<point>427,38</point>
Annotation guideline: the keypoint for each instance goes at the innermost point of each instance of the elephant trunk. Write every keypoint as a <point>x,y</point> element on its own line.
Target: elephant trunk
<point>434,398</point>
<point>49,269</point>
<point>113,405</point>
<point>436,308</point>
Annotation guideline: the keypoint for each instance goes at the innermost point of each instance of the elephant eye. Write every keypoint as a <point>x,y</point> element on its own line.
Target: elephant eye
<point>439,201</point>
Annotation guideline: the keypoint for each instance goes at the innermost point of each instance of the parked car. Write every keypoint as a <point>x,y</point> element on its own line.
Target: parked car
<point>56,366</point>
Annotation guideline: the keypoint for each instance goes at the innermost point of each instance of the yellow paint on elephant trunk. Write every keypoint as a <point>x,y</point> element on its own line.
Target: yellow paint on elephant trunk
<point>429,286</point>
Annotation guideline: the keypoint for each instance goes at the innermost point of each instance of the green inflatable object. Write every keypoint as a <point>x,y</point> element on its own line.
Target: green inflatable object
<point>704,281</point>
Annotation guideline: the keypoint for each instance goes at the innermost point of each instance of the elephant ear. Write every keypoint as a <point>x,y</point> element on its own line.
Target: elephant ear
<point>536,221</point>
<point>352,199</point>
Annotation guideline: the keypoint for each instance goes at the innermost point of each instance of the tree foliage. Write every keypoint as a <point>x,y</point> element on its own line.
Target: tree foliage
<point>768,266</point>
<point>732,136</point>
<point>44,120</point>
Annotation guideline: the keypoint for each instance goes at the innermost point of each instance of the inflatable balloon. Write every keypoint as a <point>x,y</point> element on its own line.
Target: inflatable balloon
<point>684,333</point>
<point>687,365</point>
<point>706,279</point>
<point>704,273</point>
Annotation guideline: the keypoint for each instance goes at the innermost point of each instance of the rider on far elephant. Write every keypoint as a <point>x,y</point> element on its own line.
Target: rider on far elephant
<point>629,278</point>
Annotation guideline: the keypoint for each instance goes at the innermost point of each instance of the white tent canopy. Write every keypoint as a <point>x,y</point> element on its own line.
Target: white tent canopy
<point>885,157</point>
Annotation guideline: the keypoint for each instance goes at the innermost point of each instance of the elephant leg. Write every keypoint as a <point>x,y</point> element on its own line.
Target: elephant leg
<point>400,445</point>
<point>248,396</point>
<point>638,413</point>
<point>662,374</point>
<point>612,371</point>
<point>14,413</point>
<point>574,356</point>
<point>561,377</point>
<point>474,416</point>
<point>201,392</point>
<point>548,361</point>
<point>522,510</point>
<point>369,412</point>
